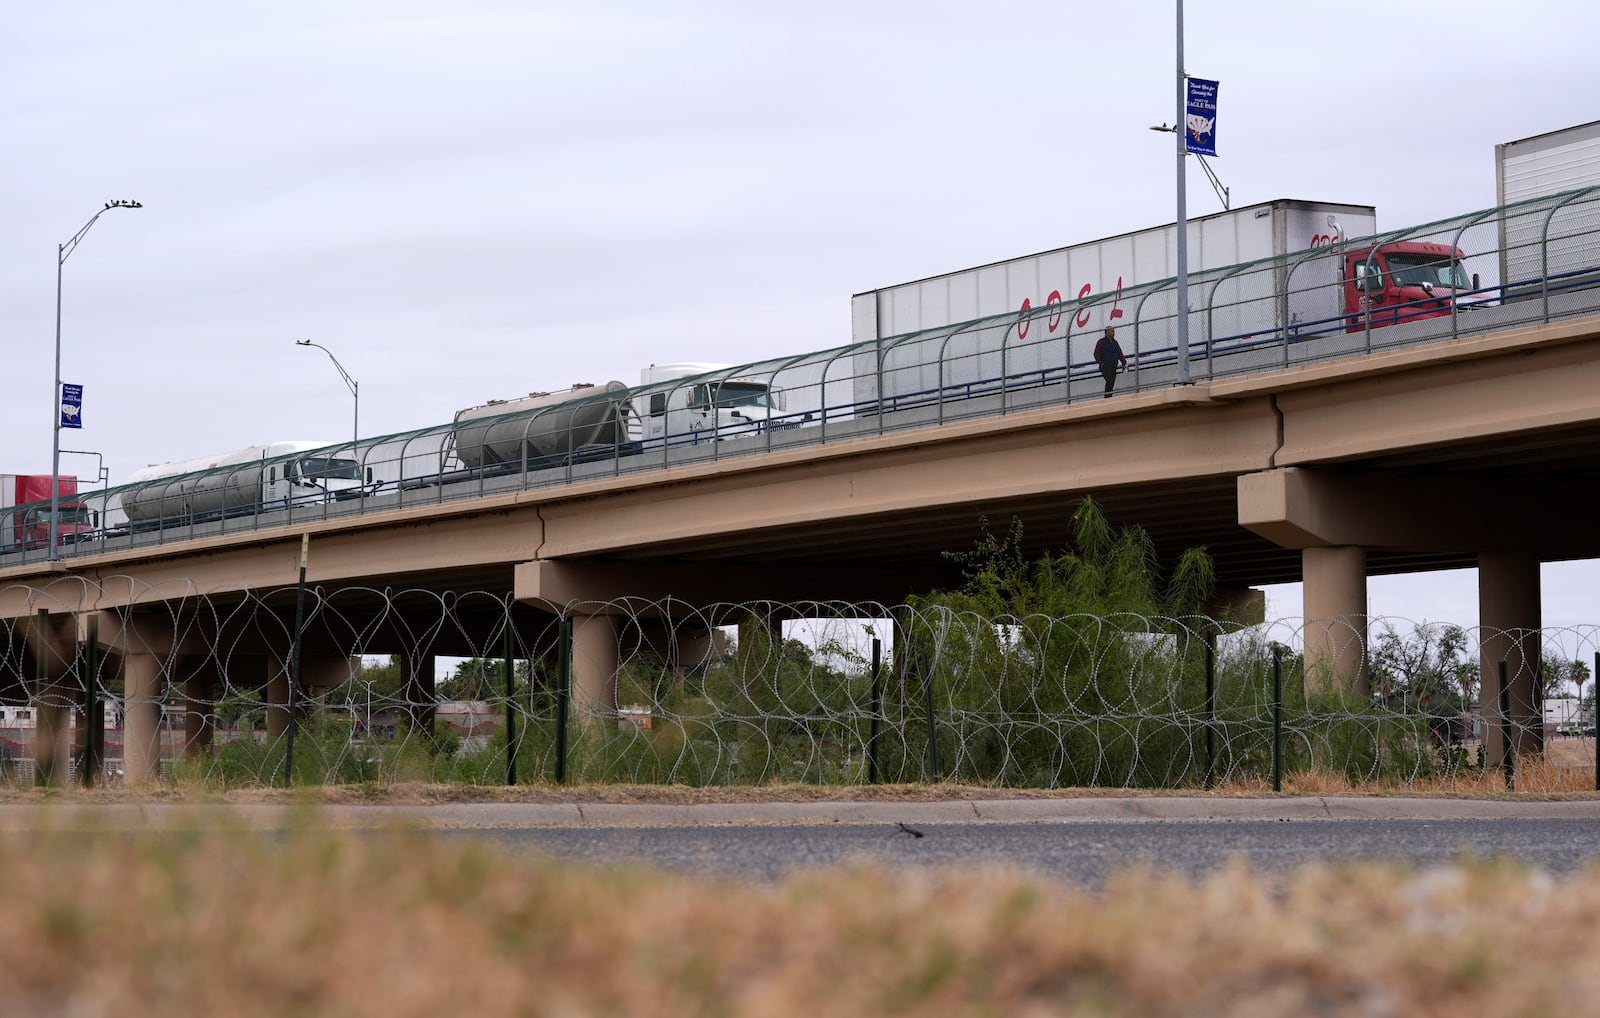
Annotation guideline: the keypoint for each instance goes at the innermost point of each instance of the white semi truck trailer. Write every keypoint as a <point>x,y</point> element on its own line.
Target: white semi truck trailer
<point>1035,319</point>
<point>1553,243</point>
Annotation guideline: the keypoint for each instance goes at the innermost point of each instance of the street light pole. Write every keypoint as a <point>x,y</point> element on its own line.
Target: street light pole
<point>63,252</point>
<point>1183,217</point>
<point>350,383</point>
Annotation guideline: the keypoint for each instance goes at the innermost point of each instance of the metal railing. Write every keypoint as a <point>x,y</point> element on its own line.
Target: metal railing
<point>1533,262</point>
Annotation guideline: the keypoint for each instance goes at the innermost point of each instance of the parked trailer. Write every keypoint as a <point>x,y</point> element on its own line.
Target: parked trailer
<point>1042,313</point>
<point>25,512</point>
<point>261,478</point>
<point>1552,247</point>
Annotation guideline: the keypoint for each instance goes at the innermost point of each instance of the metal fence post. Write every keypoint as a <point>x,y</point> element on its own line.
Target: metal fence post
<point>94,730</point>
<point>563,694</point>
<point>1277,718</point>
<point>876,708</point>
<point>511,704</point>
<point>933,727</point>
<point>1508,746</point>
<point>1211,708</point>
<point>42,775</point>
<point>294,667</point>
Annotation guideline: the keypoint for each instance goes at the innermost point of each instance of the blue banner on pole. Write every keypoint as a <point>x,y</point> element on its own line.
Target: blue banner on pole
<point>1200,125</point>
<point>71,406</point>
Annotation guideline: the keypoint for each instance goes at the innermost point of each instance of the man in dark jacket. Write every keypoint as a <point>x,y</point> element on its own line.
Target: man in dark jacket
<point>1107,352</point>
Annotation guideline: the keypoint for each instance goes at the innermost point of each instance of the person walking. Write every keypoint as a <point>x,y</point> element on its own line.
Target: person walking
<point>1107,352</point>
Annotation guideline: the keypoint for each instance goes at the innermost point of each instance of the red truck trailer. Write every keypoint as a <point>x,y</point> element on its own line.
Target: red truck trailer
<point>25,512</point>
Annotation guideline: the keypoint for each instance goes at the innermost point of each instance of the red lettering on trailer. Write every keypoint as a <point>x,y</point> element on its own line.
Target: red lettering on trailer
<point>1022,318</point>
<point>1054,299</point>
<point>1083,316</point>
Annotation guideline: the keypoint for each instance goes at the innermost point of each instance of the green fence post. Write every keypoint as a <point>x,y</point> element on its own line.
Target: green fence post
<point>1508,746</point>
<point>1277,718</point>
<point>933,728</point>
<point>43,773</point>
<point>563,693</point>
<point>294,664</point>
<point>94,728</point>
<point>876,707</point>
<point>1211,708</point>
<point>511,704</point>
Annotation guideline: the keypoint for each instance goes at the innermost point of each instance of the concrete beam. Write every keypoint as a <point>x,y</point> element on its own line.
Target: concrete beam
<point>1485,388</point>
<point>1306,507</point>
<point>1068,457</point>
<point>560,583</point>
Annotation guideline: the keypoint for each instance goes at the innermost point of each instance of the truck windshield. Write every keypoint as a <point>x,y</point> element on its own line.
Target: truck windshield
<point>744,394</point>
<point>328,468</point>
<point>1430,270</point>
<point>69,515</point>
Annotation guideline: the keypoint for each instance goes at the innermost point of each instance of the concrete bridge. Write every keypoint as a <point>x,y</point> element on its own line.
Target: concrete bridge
<point>1474,451</point>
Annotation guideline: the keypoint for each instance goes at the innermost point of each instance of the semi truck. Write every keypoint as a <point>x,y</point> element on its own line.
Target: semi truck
<point>1282,268</point>
<point>1549,241</point>
<point>692,401</point>
<point>260,478</point>
<point>25,512</point>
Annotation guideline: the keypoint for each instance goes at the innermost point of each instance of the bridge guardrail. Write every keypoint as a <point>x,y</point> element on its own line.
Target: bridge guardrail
<point>1537,261</point>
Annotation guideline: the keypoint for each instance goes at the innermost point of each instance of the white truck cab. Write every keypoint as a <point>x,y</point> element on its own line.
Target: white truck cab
<point>697,402</point>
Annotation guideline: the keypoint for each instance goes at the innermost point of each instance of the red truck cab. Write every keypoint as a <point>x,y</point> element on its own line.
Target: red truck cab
<point>1402,282</point>
<point>25,512</point>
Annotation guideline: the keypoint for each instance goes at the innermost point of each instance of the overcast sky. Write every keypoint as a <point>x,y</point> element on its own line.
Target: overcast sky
<point>472,200</point>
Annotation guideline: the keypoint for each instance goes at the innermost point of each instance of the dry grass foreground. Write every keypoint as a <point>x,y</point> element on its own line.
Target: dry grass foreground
<point>325,923</point>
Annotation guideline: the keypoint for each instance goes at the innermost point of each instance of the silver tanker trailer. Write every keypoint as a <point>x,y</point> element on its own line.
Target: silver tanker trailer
<point>259,479</point>
<point>545,428</point>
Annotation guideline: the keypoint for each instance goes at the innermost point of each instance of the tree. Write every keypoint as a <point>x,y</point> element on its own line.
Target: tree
<point>1424,667</point>
<point>479,678</point>
<point>374,683</point>
<point>1556,673</point>
<point>1467,675</point>
<point>1104,571</point>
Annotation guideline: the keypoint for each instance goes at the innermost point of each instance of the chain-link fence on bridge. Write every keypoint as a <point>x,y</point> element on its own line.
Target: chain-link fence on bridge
<point>1534,262</point>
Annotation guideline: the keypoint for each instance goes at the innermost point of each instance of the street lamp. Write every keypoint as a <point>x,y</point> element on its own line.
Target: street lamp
<point>63,252</point>
<point>351,383</point>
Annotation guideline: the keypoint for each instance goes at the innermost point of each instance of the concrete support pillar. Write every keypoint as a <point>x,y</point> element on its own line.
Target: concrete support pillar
<point>1509,619</point>
<point>594,667</point>
<point>199,707</point>
<point>141,744</point>
<point>417,682</point>
<point>1335,586</point>
<point>52,639</point>
<point>683,647</point>
<point>277,696</point>
<point>323,670</point>
<point>52,734</point>
<point>760,646</point>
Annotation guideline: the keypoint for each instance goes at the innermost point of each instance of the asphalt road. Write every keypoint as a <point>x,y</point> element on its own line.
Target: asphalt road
<point>1080,853</point>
